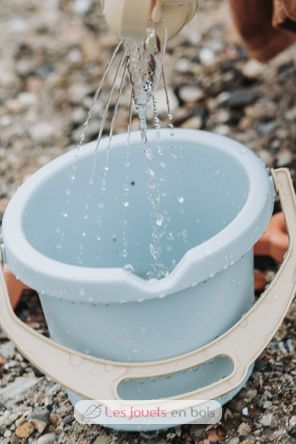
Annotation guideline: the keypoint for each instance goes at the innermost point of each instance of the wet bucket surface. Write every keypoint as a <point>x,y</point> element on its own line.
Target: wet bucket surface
<point>101,309</point>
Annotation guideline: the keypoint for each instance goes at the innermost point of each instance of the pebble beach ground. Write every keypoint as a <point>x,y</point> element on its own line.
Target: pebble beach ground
<point>52,56</point>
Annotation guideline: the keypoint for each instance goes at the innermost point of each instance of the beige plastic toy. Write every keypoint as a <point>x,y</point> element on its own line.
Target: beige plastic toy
<point>94,378</point>
<point>128,19</point>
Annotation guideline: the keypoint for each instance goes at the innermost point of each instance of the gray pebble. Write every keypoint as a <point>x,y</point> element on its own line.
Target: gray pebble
<point>7,350</point>
<point>253,69</point>
<point>49,438</point>
<point>103,439</point>
<point>284,158</point>
<point>193,123</point>
<point>241,98</point>
<point>233,441</point>
<point>267,127</point>
<point>244,429</point>
<point>190,93</point>
<point>42,132</point>
<point>266,420</point>
<point>40,418</point>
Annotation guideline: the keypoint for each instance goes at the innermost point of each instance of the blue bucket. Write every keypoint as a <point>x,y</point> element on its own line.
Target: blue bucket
<point>216,191</point>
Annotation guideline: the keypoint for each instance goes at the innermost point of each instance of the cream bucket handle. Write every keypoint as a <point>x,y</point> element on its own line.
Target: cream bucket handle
<point>94,378</point>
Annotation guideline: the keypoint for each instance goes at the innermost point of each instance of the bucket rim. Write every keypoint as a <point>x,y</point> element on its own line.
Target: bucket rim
<point>55,278</point>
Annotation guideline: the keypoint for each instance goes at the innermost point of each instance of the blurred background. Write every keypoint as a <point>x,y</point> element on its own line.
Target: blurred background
<point>52,57</point>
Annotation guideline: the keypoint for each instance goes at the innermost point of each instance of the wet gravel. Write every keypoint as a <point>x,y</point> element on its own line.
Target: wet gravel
<point>53,55</point>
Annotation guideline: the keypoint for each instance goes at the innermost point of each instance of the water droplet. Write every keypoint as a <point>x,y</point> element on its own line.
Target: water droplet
<point>151,172</point>
<point>159,220</point>
<point>181,199</point>
<point>65,214</point>
<point>170,236</point>
<point>126,204</point>
<point>155,251</point>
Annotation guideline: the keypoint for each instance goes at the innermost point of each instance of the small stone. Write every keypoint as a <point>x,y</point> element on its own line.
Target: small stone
<point>284,158</point>
<point>267,404</point>
<point>266,420</point>
<point>253,69</point>
<point>244,429</point>
<point>78,115</point>
<point>215,435</point>
<point>250,395</point>
<point>190,93</point>
<point>40,419</point>
<point>241,98</point>
<point>193,123</point>
<point>49,438</point>
<point>223,97</point>
<point>183,66</point>
<point>7,434</point>
<point>266,156</point>
<point>24,67</point>
<point>245,411</point>
<point>261,365</point>
<point>292,421</point>
<point>291,114</point>
<point>17,388</point>
<point>27,99</point>
<point>7,350</point>
<point>82,7</point>
<point>2,407</point>
<point>42,132</point>
<point>69,419</point>
<point>233,441</point>
<point>77,93</point>
<point>292,432</point>
<point>207,56</point>
<point>223,116</point>
<point>223,130</point>
<point>266,127</point>
<point>103,439</point>
<point>24,430</point>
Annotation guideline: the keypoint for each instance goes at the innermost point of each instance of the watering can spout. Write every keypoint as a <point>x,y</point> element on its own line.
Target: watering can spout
<point>128,19</point>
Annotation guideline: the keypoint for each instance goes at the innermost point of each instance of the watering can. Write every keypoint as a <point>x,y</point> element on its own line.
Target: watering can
<point>115,335</point>
<point>128,19</point>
